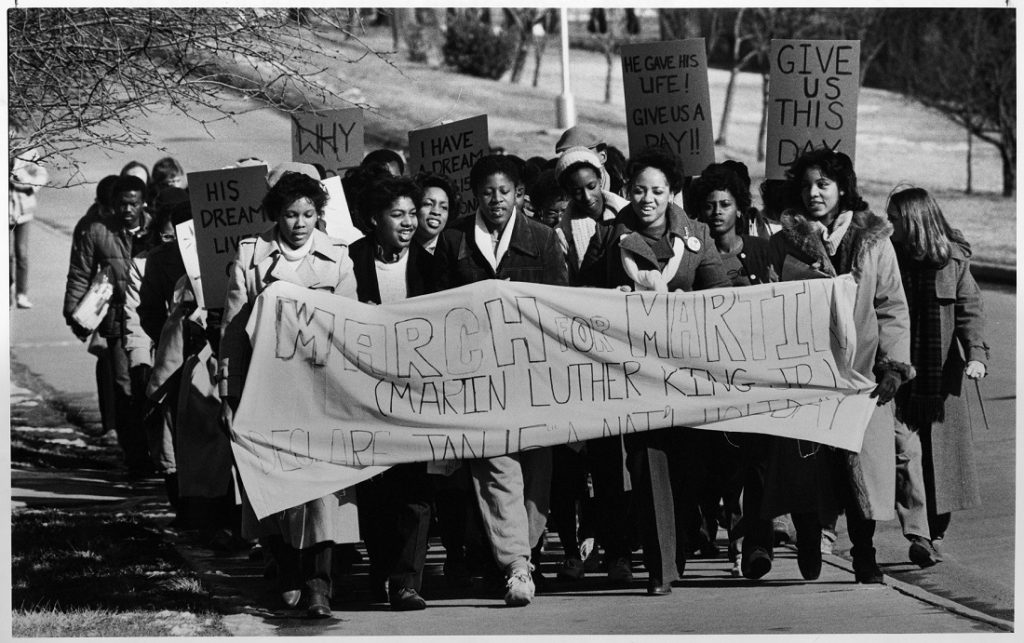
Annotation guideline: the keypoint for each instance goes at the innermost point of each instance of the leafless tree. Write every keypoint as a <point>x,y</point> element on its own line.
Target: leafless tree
<point>79,77</point>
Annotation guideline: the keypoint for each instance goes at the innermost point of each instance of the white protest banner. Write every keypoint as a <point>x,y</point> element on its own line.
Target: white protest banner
<point>186,234</point>
<point>334,139</point>
<point>812,100</point>
<point>451,150</point>
<point>667,100</point>
<point>498,367</point>
<point>226,208</point>
<point>337,215</point>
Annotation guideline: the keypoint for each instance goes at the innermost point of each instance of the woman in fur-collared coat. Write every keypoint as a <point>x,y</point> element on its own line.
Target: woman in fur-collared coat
<point>835,234</point>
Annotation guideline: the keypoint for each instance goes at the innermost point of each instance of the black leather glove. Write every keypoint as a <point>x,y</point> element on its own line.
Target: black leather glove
<point>888,383</point>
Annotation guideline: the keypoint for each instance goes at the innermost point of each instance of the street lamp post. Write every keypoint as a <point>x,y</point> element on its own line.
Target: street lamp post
<point>564,104</point>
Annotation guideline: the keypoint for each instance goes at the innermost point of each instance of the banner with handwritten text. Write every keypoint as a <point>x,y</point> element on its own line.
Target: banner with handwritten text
<point>812,100</point>
<point>499,367</point>
<point>667,100</point>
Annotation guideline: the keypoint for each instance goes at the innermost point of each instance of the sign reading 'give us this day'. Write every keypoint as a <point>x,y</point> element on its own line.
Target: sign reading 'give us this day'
<point>668,104</point>
<point>812,101</point>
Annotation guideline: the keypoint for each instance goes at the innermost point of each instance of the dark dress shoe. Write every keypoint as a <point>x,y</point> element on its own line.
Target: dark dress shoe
<point>921,552</point>
<point>867,572</point>
<point>407,600</point>
<point>318,605</point>
<point>657,588</point>
<point>808,559</point>
<point>757,564</point>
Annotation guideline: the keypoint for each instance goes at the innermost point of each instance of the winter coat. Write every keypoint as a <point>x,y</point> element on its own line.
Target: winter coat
<point>699,269</point>
<point>102,244</point>
<point>257,265</point>
<point>612,204</point>
<point>948,444</point>
<point>800,474</point>
<point>420,271</point>
<point>533,255</point>
<point>25,179</point>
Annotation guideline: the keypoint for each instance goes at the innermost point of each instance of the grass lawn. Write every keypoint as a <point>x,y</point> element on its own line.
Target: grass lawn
<point>897,140</point>
<point>92,570</point>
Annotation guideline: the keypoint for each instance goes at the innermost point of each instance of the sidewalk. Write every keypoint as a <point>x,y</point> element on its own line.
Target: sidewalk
<point>707,601</point>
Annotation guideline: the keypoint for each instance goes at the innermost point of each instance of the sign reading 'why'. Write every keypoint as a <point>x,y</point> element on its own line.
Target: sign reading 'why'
<point>498,367</point>
<point>332,139</point>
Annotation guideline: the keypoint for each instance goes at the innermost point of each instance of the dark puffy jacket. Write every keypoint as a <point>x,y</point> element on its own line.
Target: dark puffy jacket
<point>102,244</point>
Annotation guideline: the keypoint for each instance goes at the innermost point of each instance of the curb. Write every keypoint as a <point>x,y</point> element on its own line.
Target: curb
<point>923,595</point>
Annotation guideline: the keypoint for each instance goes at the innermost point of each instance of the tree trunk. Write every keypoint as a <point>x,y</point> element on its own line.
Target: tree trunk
<point>608,75</point>
<point>1009,170</point>
<point>519,62</point>
<point>763,129</point>
<point>969,189</point>
<point>723,127</point>
<point>538,55</point>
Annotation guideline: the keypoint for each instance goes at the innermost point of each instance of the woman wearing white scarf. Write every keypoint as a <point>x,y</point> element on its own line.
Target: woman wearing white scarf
<point>293,250</point>
<point>655,246</point>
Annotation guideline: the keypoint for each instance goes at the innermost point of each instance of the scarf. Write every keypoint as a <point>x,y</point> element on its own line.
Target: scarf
<point>919,403</point>
<point>290,254</point>
<point>653,279</point>
<point>492,252</point>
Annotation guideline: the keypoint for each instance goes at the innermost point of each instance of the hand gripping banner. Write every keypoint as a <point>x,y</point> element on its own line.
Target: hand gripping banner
<point>338,390</point>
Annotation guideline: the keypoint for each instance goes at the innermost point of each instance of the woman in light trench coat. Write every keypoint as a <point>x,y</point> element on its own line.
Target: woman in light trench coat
<point>300,538</point>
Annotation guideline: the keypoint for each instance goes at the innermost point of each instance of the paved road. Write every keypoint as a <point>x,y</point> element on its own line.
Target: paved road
<point>978,574</point>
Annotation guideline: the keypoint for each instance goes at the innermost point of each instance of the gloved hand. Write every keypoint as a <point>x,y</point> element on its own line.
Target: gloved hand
<point>975,370</point>
<point>139,376</point>
<point>80,332</point>
<point>888,383</point>
<point>228,406</point>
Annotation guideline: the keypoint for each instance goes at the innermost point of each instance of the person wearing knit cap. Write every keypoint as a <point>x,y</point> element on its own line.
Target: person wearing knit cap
<point>579,171</point>
<point>581,175</point>
<point>583,136</point>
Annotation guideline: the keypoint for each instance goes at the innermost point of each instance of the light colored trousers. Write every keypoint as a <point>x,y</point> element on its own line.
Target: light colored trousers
<point>513,492</point>
<point>910,492</point>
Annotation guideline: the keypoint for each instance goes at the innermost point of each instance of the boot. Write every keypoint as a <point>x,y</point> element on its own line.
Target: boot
<point>862,533</point>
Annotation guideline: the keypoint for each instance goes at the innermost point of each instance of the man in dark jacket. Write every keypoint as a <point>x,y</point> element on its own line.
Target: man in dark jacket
<point>110,244</point>
<point>499,242</point>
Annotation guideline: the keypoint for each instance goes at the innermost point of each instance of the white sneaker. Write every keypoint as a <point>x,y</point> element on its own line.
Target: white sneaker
<point>23,301</point>
<point>519,589</point>
<point>827,540</point>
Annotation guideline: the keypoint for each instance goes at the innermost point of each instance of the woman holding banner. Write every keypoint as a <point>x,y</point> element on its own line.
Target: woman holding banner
<point>394,507</point>
<point>833,234</point>
<point>655,246</point>
<point>946,326</point>
<point>293,250</point>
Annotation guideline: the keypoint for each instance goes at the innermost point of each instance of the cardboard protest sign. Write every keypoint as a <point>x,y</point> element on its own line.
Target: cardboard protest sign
<point>334,139</point>
<point>226,208</point>
<point>812,100</point>
<point>451,150</point>
<point>667,100</point>
<point>337,215</point>
<point>498,367</point>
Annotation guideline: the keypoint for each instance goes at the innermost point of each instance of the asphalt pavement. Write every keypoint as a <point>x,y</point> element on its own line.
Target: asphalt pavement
<point>972,591</point>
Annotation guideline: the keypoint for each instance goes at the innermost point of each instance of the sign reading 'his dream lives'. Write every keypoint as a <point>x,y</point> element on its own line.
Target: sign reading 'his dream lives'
<point>451,149</point>
<point>667,100</point>
<point>812,100</point>
<point>226,208</point>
